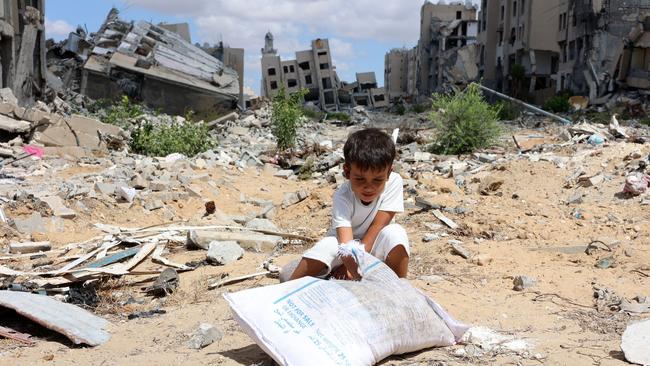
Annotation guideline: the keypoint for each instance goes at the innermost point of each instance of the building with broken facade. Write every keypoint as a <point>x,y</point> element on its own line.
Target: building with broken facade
<point>446,53</point>
<point>22,48</point>
<point>158,67</point>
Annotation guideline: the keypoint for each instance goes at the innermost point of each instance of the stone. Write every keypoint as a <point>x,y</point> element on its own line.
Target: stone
<point>268,212</point>
<point>205,335</point>
<point>430,237</point>
<point>635,342</point>
<point>486,158</point>
<point>154,205</point>
<point>7,109</point>
<point>224,252</point>
<point>29,247</point>
<point>523,282</point>
<point>458,248</point>
<point>56,204</point>
<point>126,193</point>
<point>575,198</point>
<point>261,224</point>
<point>159,185</point>
<point>283,173</point>
<point>201,239</point>
<point>194,190</point>
<point>482,259</point>
<point>240,131</point>
<point>199,164</point>
<point>489,185</point>
<point>13,126</point>
<point>105,188</point>
<point>138,182</point>
<point>32,224</point>
<point>7,96</point>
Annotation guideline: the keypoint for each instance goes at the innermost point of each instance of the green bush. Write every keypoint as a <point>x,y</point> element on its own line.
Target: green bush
<point>419,108</point>
<point>188,139</point>
<point>466,122</point>
<point>558,104</point>
<point>285,117</point>
<point>341,116</point>
<point>121,113</point>
<point>645,121</point>
<point>312,114</point>
<point>400,109</point>
<point>508,111</point>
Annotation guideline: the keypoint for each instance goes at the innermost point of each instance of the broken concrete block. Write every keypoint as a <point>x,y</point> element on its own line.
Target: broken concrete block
<point>268,212</point>
<point>283,173</point>
<point>591,181</point>
<point>29,247</point>
<point>224,252</point>
<point>205,336</point>
<point>194,190</point>
<point>32,224</point>
<point>36,116</point>
<point>258,242</point>
<point>636,342</point>
<point>105,188</point>
<point>159,185</point>
<point>126,193</point>
<point>7,96</point>
<point>457,247</point>
<point>13,126</point>
<point>523,282</point>
<point>56,204</point>
<point>138,182</point>
<point>154,205</point>
<point>199,164</point>
<point>7,109</point>
<point>261,224</point>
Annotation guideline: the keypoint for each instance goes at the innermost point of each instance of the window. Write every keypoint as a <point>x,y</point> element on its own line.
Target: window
<point>308,79</point>
<point>327,83</point>
<point>503,12</point>
<point>292,83</point>
<point>322,53</point>
<point>271,71</point>
<point>324,66</point>
<point>379,98</point>
<point>291,68</point>
<point>459,14</point>
<point>274,85</point>
<point>574,19</point>
<point>514,8</point>
<point>560,25</point>
<point>286,69</point>
<point>572,50</point>
<point>304,65</point>
<point>522,6</point>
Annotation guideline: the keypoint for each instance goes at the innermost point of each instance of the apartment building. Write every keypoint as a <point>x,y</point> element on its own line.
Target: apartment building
<point>400,74</point>
<point>311,69</point>
<point>518,52</point>
<point>22,48</point>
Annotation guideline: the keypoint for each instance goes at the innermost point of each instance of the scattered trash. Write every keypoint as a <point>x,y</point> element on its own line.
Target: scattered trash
<point>636,183</point>
<point>146,314</point>
<point>523,282</point>
<point>205,335</point>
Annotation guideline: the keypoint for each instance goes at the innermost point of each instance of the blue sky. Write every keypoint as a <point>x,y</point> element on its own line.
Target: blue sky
<point>360,31</point>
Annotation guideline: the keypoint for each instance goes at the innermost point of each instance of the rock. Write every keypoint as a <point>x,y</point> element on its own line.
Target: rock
<point>7,96</point>
<point>105,188</point>
<point>138,182</point>
<point>224,252</point>
<point>29,247</point>
<point>32,224</point>
<point>431,279</point>
<point>430,237</point>
<point>268,212</point>
<point>458,248</point>
<point>291,198</point>
<point>56,204</point>
<point>258,242</point>
<point>159,185</point>
<point>489,185</point>
<point>576,198</point>
<point>13,126</point>
<point>199,164</point>
<point>486,158</point>
<point>126,193</point>
<point>154,205</point>
<point>523,282</point>
<point>205,336</point>
<point>283,173</point>
<point>261,224</point>
<point>482,259</point>
<point>635,342</point>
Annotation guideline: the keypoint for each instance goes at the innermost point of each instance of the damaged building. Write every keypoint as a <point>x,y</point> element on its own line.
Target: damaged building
<point>157,66</point>
<point>603,45</point>
<point>311,69</point>
<point>446,53</point>
<point>364,91</point>
<point>22,49</point>
<point>518,53</point>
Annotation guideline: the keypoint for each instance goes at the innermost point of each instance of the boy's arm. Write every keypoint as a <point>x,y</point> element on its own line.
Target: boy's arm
<point>382,219</point>
<point>344,234</point>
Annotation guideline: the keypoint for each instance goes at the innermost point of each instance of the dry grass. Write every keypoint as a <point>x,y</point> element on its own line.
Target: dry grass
<point>196,291</point>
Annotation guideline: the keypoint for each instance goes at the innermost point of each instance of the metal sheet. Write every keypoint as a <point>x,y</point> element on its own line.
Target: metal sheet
<point>77,324</point>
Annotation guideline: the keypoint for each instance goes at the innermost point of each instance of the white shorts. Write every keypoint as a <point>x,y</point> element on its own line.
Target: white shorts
<point>388,238</point>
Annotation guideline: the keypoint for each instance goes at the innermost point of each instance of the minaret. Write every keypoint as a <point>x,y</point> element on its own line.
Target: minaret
<point>268,45</point>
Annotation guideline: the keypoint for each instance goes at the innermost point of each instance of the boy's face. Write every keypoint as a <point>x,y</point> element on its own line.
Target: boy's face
<point>366,184</point>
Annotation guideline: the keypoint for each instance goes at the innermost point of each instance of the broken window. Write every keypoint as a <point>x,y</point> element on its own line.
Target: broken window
<point>574,19</point>
<point>560,25</point>
<point>274,85</point>
<point>379,98</point>
<point>322,53</point>
<point>291,68</point>
<point>271,71</point>
<point>308,79</point>
<point>304,65</point>
<point>522,6</point>
<point>514,8</point>
<point>324,66</point>
<point>292,83</point>
<point>327,83</point>
<point>329,97</point>
<point>286,69</point>
<point>503,11</point>
<point>572,50</point>
<point>459,14</point>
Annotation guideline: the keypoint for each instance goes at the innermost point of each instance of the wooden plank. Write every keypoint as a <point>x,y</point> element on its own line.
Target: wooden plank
<point>16,336</point>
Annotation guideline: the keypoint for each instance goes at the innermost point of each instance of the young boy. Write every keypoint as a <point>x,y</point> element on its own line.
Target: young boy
<point>363,208</point>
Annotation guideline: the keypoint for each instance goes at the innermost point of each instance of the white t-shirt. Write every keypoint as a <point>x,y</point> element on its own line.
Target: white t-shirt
<point>348,211</point>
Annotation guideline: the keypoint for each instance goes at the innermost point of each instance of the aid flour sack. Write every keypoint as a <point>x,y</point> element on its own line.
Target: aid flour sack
<point>357,323</point>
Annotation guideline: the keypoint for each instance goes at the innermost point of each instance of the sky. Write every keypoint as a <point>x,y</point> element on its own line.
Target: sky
<point>360,32</point>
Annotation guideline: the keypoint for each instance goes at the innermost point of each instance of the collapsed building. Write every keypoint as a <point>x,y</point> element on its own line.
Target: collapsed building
<point>314,71</point>
<point>603,45</point>
<point>22,49</point>
<point>446,53</point>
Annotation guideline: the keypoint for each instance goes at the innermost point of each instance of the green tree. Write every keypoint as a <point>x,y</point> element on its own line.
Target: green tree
<point>285,117</point>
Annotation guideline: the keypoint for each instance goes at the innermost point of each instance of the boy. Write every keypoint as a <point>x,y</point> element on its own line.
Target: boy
<point>363,208</point>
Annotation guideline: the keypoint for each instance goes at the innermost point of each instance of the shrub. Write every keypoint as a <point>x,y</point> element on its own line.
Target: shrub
<point>466,122</point>
<point>341,116</point>
<point>419,108</point>
<point>508,110</point>
<point>188,139</point>
<point>310,113</point>
<point>285,117</point>
<point>558,104</point>
<point>122,112</point>
<point>400,109</point>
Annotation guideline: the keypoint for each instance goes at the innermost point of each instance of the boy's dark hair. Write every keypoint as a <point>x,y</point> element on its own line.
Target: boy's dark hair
<point>369,149</point>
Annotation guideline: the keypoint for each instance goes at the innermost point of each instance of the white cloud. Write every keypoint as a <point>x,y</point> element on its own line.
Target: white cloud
<point>342,49</point>
<point>57,29</point>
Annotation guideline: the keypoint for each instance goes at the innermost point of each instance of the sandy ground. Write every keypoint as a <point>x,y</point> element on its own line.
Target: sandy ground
<point>523,228</point>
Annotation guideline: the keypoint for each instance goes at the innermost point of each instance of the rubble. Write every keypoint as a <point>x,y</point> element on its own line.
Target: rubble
<point>224,252</point>
<point>205,335</point>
